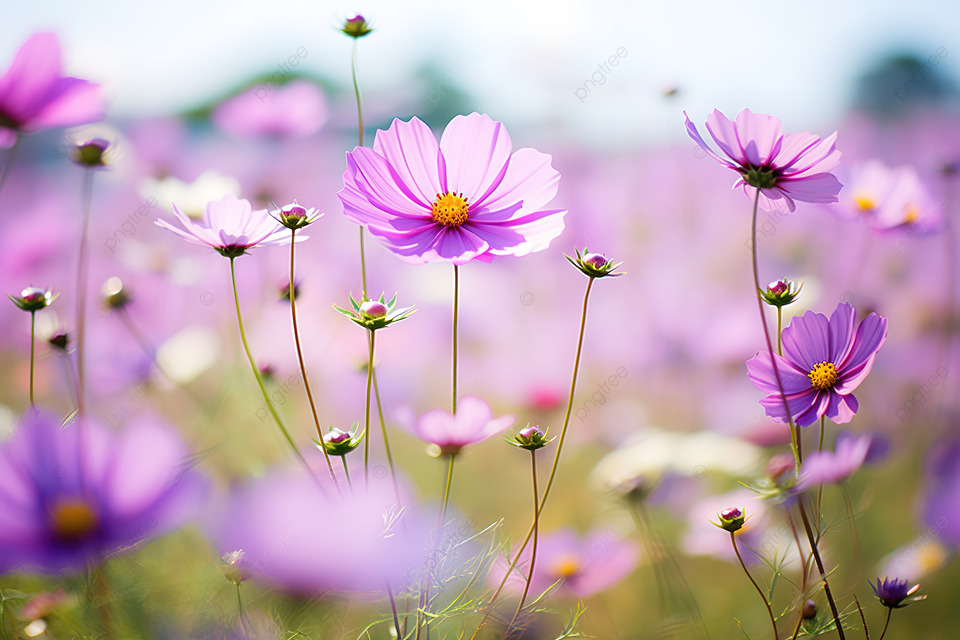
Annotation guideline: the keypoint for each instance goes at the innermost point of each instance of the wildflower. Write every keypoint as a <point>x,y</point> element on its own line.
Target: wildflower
<point>33,299</point>
<point>731,519</point>
<point>888,198</point>
<point>893,593</point>
<point>787,167</point>
<point>464,198</point>
<point>828,467</point>
<point>594,265</point>
<point>84,491</point>
<point>780,293</point>
<point>376,314</point>
<point>529,438</point>
<point>473,422</point>
<point>824,361</point>
<point>34,96</point>
<point>230,226</point>
<point>356,27</point>
<point>293,216</point>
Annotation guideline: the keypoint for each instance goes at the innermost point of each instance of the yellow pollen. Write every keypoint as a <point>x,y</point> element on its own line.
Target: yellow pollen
<point>566,566</point>
<point>450,209</point>
<point>72,519</point>
<point>823,375</point>
<point>864,202</point>
<point>912,214</point>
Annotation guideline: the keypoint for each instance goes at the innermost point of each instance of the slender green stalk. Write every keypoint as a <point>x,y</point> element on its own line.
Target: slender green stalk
<point>886,624</point>
<point>81,302</point>
<point>456,305</point>
<point>446,490</point>
<point>356,91</point>
<point>536,534</point>
<point>303,366</point>
<point>556,458</point>
<point>820,486</point>
<point>346,471</point>
<point>11,156</point>
<point>33,337</point>
<point>256,371</point>
<point>366,410</point>
<point>779,329</point>
<point>811,539</point>
<point>736,549</point>
<point>386,439</point>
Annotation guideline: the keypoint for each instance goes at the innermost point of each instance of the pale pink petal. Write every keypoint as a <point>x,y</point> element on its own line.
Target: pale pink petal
<point>475,149</point>
<point>724,133</point>
<point>411,149</point>
<point>529,178</point>
<point>759,136</point>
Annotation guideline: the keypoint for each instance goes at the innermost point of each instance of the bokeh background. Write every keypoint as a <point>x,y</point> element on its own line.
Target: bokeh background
<point>663,378</point>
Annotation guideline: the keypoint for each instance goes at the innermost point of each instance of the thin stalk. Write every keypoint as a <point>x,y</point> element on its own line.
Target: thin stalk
<point>356,91</point>
<point>863,618</point>
<point>456,305</point>
<point>386,439</point>
<point>773,622</point>
<point>779,329</point>
<point>823,574</point>
<point>536,533</point>
<point>303,366</point>
<point>346,471</point>
<point>556,458</point>
<point>886,623</point>
<point>33,335</point>
<point>81,302</point>
<point>256,371</point>
<point>242,619</point>
<point>446,491</point>
<point>766,332</point>
<point>820,486</point>
<point>393,608</point>
<point>366,410</point>
<point>11,156</point>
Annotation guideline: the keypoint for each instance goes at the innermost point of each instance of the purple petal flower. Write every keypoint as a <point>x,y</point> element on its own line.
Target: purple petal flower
<point>464,198</point>
<point>69,496</point>
<point>473,422</point>
<point>824,361</point>
<point>828,467</point>
<point>230,226</point>
<point>891,198</point>
<point>893,592</point>
<point>787,167</point>
<point>34,96</point>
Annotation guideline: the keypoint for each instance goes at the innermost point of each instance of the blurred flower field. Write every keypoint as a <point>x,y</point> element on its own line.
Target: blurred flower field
<point>274,370</point>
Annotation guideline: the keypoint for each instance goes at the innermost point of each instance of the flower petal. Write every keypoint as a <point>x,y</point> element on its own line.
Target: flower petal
<point>411,150</point>
<point>724,133</point>
<point>806,340</point>
<point>759,136</point>
<point>761,374</point>
<point>475,149</point>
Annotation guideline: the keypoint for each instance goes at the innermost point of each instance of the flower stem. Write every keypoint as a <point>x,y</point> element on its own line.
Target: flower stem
<point>886,624</point>
<point>779,329</point>
<point>346,471</point>
<point>303,366</point>
<point>766,333</point>
<point>256,371</point>
<point>356,91</point>
<point>446,490</point>
<point>386,439</point>
<point>536,533</point>
<point>33,333</point>
<point>456,305</point>
<point>820,486</point>
<point>556,459</point>
<point>366,410</point>
<point>393,608</point>
<point>733,539</point>
<point>823,574</point>
<point>81,302</point>
<point>11,157</point>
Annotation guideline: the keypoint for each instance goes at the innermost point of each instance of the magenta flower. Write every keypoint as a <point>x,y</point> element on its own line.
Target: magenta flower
<point>464,198</point>
<point>69,496</point>
<point>787,167</point>
<point>581,566</point>
<point>824,362</point>
<point>34,96</point>
<point>230,226</point>
<point>473,422</point>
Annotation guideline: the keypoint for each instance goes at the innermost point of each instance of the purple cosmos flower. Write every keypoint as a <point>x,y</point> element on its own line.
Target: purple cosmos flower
<point>824,362</point>
<point>34,96</point>
<point>69,496</point>
<point>892,592</point>
<point>787,167</point>
<point>828,467</point>
<point>465,198</point>
<point>890,198</point>
<point>230,226</point>
<point>297,109</point>
<point>583,566</point>
<point>473,422</point>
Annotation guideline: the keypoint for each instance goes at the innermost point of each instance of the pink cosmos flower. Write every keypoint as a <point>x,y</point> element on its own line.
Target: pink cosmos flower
<point>473,422</point>
<point>824,362</point>
<point>34,96</point>
<point>787,167</point>
<point>231,226</point>
<point>891,198</point>
<point>464,198</point>
<point>296,110</point>
<point>828,467</point>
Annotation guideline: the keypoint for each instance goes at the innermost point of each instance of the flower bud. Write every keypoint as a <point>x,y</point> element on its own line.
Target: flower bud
<point>59,340</point>
<point>339,443</point>
<point>731,519</point>
<point>90,153</point>
<point>780,293</point>
<point>530,438</point>
<point>233,566</point>
<point>356,27</point>
<point>293,216</point>
<point>593,265</point>
<point>115,296</point>
<point>809,610</point>
<point>33,299</point>
<point>373,310</point>
<point>375,314</point>
<point>780,467</point>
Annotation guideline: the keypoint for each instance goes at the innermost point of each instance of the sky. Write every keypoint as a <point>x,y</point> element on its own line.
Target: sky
<point>541,64</point>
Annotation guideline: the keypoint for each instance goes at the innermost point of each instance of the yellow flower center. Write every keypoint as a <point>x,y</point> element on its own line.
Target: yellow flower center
<point>823,375</point>
<point>566,566</point>
<point>864,202</point>
<point>912,214</point>
<point>72,519</point>
<point>450,209</point>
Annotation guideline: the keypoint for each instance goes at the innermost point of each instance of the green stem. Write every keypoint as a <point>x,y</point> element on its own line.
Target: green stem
<point>303,366</point>
<point>556,458</point>
<point>82,266</point>
<point>456,305</point>
<point>536,533</point>
<point>779,329</point>
<point>820,486</point>
<point>736,549</point>
<point>11,156</point>
<point>886,624</point>
<point>33,333</point>
<point>356,91</point>
<point>446,491</point>
<point>823,574</point>
<point>256,371</point>
<point>386,439</point>
<point>366,410</point>
<point>346,471</point>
